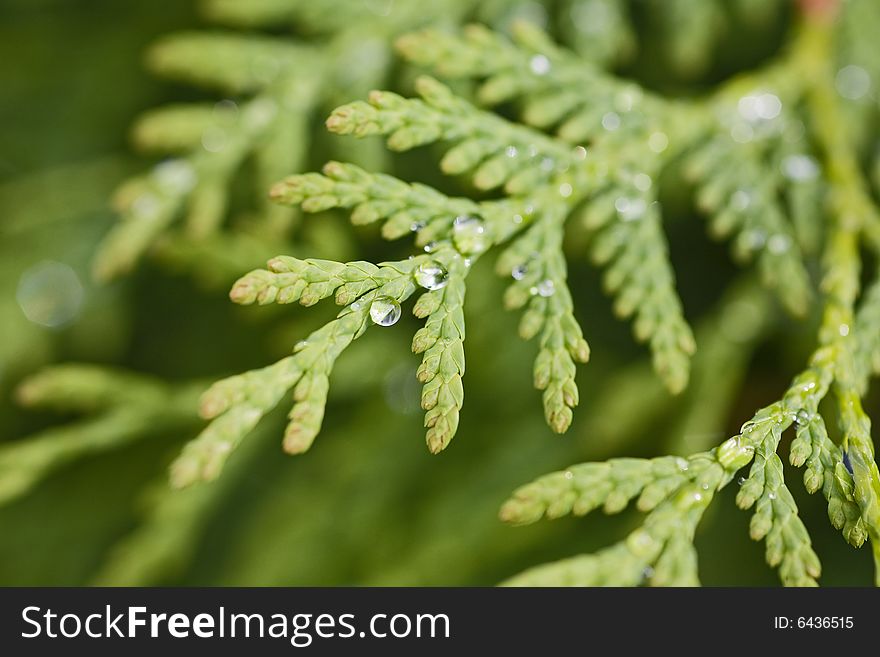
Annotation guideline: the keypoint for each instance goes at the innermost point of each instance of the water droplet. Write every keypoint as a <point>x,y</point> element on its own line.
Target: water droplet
<point>385,311</point>
<point>580,153</point>
<point>630,209</point>
<point>547,164</point>
<point>225,108</point>
<point>754,239</point>
<point>260,112</point>
<point>432,276</point>
<point>539,64</point>
<point>843,329</point>
<point>800,168</point>
<point>214,139</point>
<point>852,82</point>
<point>778,244</point>
<point>517,219</point>
<point>759,107</point>
<point>511,151</point>
<point>682,464</point>
<point>416,226</point>
<point>809,385</point>
<point>430,247</point>
<point>302,344</point>
<point>740,200</point>
<point>705,486</point>
<point>658,142</point>
<point>519,272</point>
<point>469,234</point>
<point>565,190</point>
<point>771,496</point>
<point>50,294</point>
<point>611,121</point>
<point>569,474</point>
<point>175,176</point>
<point>803,416</point>
<point>697,497</point>
<point>642,182</point>
<point>146,206</point>
<point>647,572</point>
<point>545,288</point>
<point>741,480</point>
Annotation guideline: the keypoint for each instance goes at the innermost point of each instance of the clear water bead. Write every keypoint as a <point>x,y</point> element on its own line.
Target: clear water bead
<point>754,239</point>
<point>50,294</point>
<point>778,244</point>
<point>519,272</point>
<point>539,64</point>
<point>852,82</point>
<point>630,209</point>
<point>175,176</point>
<point>800,168</point>
<point>545,288</point>
<point>469,234</point>
<point>759,107</point>
<point>385,311</point>
<point>658,142</point>
<point>740,200</point>
<point>214,139</point>
<point>803,417</point>
<point>611,121</point>
<point>642,182</point>
<point>146,206</point>
<point>432,276</point>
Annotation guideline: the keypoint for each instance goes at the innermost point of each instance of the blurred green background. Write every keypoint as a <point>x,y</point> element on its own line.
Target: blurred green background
<point>368,505</point>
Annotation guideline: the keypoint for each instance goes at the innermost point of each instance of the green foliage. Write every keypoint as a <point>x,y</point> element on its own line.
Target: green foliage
<point>124,408</point>
<point>551,157</point>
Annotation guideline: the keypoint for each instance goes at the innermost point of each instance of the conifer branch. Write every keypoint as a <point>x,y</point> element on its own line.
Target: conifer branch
<point>120,408</point>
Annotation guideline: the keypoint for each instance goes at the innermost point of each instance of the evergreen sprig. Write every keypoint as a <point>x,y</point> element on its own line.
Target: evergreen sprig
<point>851,488</point>
<point>120,408</point>
<point>589,144</point>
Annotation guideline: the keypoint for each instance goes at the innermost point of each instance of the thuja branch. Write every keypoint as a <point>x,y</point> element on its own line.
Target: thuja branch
<point>846,473</point>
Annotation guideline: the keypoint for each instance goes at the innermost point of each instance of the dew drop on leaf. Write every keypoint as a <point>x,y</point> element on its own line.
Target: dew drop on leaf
<point>385,311</point>
<point>469,234</point>
<point>432,276</point>
<point>545,288</point>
